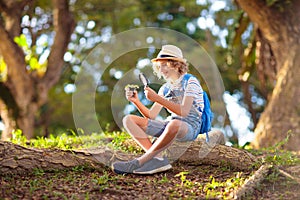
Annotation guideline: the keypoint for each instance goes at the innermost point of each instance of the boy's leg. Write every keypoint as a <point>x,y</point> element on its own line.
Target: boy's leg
<point>136,126</point>
<point>175,128</point>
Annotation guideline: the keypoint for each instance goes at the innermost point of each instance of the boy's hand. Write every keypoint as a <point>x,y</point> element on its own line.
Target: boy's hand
<point>131,95</point>
<point>150,94</point>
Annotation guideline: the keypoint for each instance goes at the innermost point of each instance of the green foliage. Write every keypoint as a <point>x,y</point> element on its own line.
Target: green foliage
<point>276,155</point>
<point>103,181</point>
<point>18,138</point>
<point>124,142</point>
<point>31,57</point>
<point>78,168</point>
<point>163,180</point>
<point>62,141</point>
<point>21,41</point>
<point>280,157</point>
<point>280,144</point>
<point>231,184</point>
<point>185,182</point>
<point>212,189</point>
<point>33,185</point>
<point>38,172</point>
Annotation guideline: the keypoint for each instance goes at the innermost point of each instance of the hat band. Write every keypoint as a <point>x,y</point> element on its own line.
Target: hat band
<point>166,56</point>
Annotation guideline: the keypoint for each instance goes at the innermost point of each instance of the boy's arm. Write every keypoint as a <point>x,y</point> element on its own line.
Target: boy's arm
<point>179,109</point>
<point>146,112</point>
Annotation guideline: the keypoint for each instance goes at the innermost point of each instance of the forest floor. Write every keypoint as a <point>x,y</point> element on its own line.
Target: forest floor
<point>181,182</point>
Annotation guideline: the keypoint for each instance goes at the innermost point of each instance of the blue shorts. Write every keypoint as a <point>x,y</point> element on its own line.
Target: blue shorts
<point>155,128</point>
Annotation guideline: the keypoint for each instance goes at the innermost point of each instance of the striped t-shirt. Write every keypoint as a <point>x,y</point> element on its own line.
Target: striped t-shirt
<point>192,88</point>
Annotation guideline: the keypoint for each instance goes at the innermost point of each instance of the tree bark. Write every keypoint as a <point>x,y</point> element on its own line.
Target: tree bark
<point>8,120</point>
<point>30,92</point>
<point>18,159</point>
<point>279,24</point>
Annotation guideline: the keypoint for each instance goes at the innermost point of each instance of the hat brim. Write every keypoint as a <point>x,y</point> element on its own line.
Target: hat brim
<point>168,58</point>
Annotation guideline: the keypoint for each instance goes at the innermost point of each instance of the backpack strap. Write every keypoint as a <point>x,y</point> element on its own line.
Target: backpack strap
<point>207,137</point>
<point>185,79</point>
<point>185,82</point>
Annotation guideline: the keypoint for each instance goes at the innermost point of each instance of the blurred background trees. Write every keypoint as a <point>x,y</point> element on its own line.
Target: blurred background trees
<point>240,43</point>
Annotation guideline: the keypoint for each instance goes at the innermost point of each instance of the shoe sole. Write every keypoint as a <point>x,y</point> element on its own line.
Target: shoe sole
<point>157,170</point>
<point>119,172</point>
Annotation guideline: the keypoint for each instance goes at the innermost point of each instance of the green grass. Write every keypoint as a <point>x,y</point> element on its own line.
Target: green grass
<point>212,188</point>
<point>118,140</point>
<point>276,155</point>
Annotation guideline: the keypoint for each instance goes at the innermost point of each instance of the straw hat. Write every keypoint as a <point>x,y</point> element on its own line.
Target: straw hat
<point>170,52</point>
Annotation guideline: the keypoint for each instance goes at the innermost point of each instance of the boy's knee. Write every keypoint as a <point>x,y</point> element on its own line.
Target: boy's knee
<point>175,124</point>
<point>126,119</point>
<point>133,119</point>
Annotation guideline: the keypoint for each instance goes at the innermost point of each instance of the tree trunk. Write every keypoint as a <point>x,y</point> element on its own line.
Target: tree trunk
<point>8,121</point>
<point>279,24</point>
<point>18,159</point>
<point>282,113</point>
<point>26,120</point>
<point>29,91</point>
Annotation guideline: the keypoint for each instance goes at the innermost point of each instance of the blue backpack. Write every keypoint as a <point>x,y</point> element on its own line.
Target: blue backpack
<point>207,114</point>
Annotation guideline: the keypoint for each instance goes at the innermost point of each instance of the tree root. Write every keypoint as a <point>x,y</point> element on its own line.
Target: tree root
<point>288,175</point>
<point>17,159</point>
<point>258,177</point>
<point>252,182</point>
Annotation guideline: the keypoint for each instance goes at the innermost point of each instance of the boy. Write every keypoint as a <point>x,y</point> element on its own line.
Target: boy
<point>185,104</point>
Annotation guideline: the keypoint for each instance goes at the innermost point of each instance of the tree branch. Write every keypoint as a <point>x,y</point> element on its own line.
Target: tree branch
<point>64,25</point>
<point>16,71</point>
